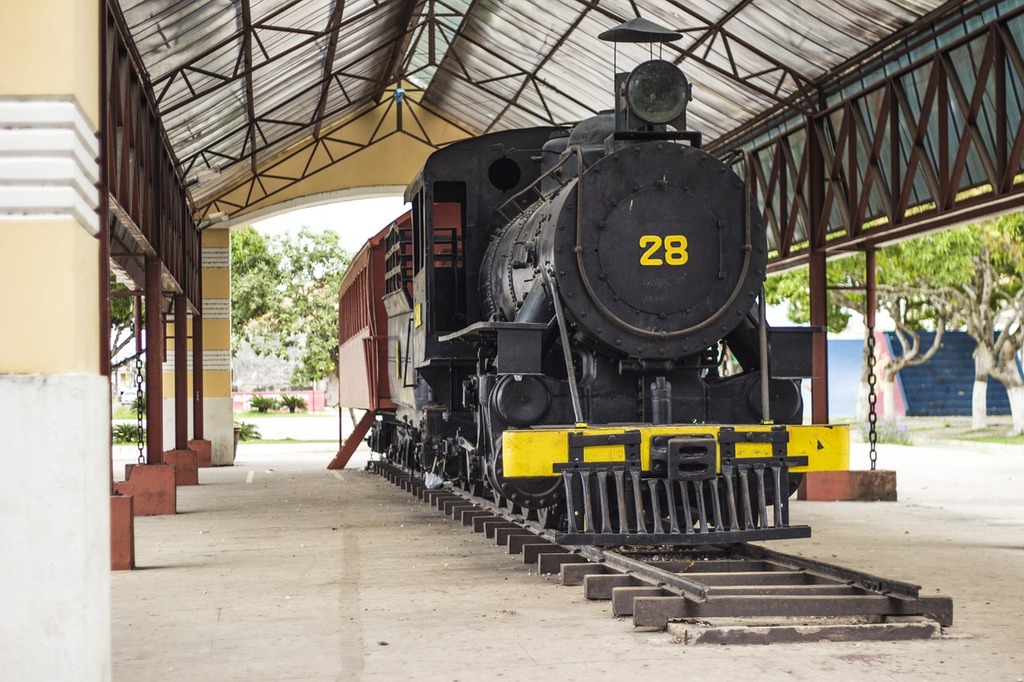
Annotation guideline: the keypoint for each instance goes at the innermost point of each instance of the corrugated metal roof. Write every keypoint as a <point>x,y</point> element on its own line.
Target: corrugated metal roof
<point>236,81</point>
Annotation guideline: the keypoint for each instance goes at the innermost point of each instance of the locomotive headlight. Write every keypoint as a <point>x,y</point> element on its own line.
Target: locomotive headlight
<point>657,92</point>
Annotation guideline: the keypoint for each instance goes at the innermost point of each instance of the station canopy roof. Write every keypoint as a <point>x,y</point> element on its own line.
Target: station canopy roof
<point>236,82</point>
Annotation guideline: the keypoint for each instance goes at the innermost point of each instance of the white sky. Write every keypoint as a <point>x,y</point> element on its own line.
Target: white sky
<point>355,220</point>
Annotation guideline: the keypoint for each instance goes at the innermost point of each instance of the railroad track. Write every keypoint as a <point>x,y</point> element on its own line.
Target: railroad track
<point>737,593</point>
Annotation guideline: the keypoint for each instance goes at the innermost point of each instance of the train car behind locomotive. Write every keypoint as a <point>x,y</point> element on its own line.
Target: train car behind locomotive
<point>561,311</point>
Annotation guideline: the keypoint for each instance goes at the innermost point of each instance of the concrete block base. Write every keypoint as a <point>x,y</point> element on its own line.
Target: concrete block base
<point>151,487</point>
<point>186,466</point>
<point>122,533</point>
<point>855,486</point>
<point>204,449</point>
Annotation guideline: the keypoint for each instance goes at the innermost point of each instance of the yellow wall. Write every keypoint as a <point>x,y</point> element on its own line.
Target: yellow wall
<point>49,266</point>
<point>216,281</point>
<point>169,366</point>
<point>49,270</point>
<point>216,322</point>
<point>391,161</point>
<point>43,50</point>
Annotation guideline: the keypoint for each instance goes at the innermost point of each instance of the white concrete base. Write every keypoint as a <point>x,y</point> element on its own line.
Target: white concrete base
<point>54,527</point>
<point>168,411</point>
<point>218,427</point>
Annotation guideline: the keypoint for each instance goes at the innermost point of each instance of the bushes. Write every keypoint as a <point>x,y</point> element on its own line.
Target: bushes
<point>247,431</point>
<point>293,402</point>
<point>138,406</point>
<point>264,404</point>
<point>892,432</point>
<point>128,434</point>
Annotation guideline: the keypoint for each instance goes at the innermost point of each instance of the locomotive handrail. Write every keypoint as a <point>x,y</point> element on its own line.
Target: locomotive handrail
<point>533,184</point>
<point>692,136</point>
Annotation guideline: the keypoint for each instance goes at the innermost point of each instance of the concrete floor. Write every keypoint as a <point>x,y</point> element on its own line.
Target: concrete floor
<point>277,569</point>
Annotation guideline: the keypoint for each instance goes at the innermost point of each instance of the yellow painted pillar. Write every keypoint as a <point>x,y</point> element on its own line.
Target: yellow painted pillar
<point>54,403</point>
<point>218,417</point>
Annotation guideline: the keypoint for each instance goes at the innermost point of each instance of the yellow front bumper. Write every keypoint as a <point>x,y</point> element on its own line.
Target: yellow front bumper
<point>536,451</point>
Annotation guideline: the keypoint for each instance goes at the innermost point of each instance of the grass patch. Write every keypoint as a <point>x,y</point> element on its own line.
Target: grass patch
<point>1002,440</point>
<point>285,441</point>
<point>123,412</point>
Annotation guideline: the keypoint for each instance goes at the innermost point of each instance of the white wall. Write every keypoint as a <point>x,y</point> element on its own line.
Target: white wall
<point>54,527</point>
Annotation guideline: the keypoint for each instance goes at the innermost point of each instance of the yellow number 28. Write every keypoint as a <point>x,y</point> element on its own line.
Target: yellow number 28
<point>670,251</point>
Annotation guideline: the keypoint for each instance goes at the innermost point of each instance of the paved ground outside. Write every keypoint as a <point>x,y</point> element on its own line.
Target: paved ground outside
<point>277,569</point>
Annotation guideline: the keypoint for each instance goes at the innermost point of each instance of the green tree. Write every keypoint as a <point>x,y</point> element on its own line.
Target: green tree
<point>284,296</point>
<point>902,291</point>
<point>969,276</point>
<point>122,325</point>
<point>255,291</point>
<point>312,264</point>
<point>989,301</point>
<point>791,288</point>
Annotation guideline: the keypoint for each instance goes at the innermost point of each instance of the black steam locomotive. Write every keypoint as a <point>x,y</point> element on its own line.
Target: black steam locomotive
<point>561,315</point>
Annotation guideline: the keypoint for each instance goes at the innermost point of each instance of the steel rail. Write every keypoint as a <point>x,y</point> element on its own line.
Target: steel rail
<point>759,582</point>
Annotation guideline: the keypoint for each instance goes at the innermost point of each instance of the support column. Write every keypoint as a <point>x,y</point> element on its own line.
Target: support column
<point>203,447</point>
<point>184,459</point>
<point>54,397</point>
<point>180,372</point>
<point>218,417</point>
<point>154,363</point>
<point>817,274</point>
<point>197,377</point>
<point>871,282</point>
<point>818,285</point>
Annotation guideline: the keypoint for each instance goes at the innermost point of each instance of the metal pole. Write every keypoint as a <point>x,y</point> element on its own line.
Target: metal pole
<point>197,376</point>
<point>871,285</point>
<point>139,347</point>
<point>762,342</point>
<point>819,339</point>
<point>818,276</point>
<point>180,372</point>
<point>154,363</point>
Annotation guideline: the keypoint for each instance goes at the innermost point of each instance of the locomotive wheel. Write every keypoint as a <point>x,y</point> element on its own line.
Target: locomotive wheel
<point>528,493</point>
<point>474,486</point>
<point>553,517</point>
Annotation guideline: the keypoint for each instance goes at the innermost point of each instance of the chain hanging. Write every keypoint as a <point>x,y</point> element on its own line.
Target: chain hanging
<point>872,400</point>
<point>140,440</point>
